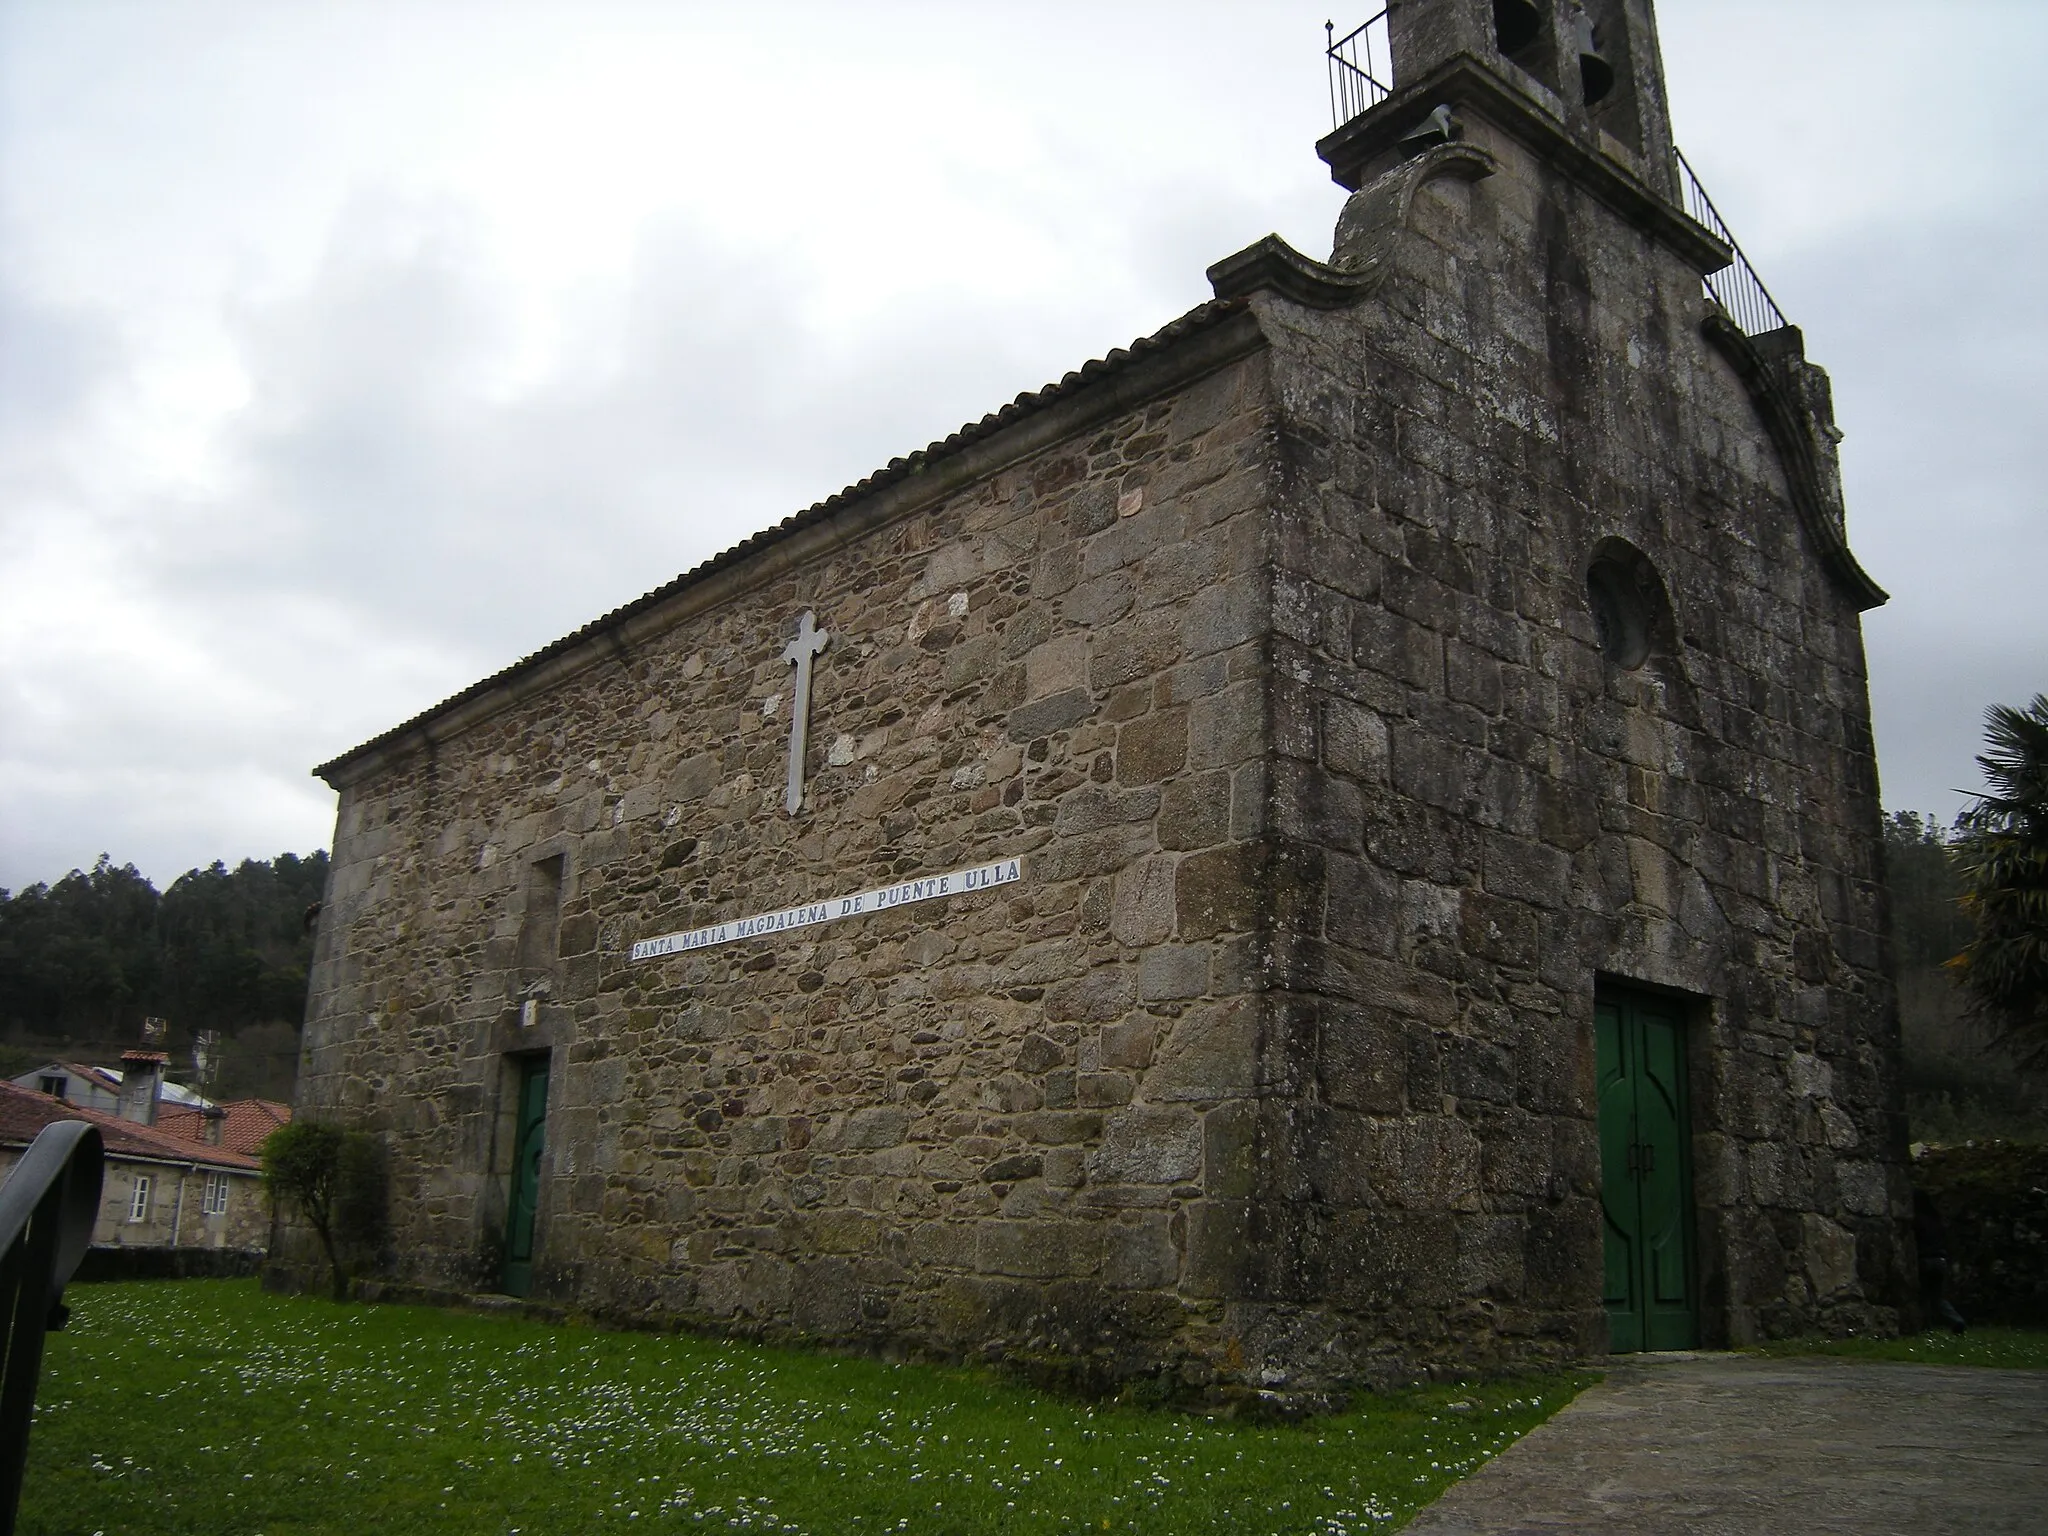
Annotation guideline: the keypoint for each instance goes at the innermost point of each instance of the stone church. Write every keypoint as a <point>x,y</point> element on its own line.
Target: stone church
<point>1337,841</point>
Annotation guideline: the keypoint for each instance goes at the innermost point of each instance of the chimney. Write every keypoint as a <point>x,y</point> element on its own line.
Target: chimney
<point>142,1083</point>
<point>211,1119</point>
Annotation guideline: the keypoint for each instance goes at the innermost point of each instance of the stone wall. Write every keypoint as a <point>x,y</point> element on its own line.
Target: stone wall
<point>1268,649</point>
<point>174,1210</point>
<point>1485,815</point>
<point>116,1264</point>
<point>984,1125</point>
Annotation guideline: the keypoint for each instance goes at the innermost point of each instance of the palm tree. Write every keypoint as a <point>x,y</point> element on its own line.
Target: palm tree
<point>2002,853</point>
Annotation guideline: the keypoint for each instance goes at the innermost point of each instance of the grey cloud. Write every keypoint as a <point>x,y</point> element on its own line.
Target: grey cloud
<point>1938,346</point>
<point>390,520</point>
<point>395,526</point>
<point>56,364</point>
<point>383,472</point>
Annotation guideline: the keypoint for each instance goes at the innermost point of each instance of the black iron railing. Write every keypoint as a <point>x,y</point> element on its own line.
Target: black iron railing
<point>47,1208</point>
<point>1736,287</point>
<point>1361,66</point>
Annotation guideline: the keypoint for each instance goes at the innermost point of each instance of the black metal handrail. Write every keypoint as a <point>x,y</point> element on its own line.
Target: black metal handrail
<point>47,1209</point>
<point>1356,85</point>
<point>1736,287</point>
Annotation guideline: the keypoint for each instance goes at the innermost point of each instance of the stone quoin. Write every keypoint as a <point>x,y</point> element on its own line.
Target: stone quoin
<point>1420,696</point>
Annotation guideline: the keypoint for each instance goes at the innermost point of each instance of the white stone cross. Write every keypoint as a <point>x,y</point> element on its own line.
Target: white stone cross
<point>799,653</point>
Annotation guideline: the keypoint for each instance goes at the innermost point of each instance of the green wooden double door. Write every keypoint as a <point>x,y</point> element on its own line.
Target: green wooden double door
<point>523,1206</point>
<point>1646,1183</point>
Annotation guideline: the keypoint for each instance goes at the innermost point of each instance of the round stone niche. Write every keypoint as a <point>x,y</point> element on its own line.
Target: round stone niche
<point>1631,611</point>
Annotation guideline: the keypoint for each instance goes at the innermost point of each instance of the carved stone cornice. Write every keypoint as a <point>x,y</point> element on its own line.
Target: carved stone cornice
<point>1363,250</point>
<point>1771,378</point>
<point>1469,84</point>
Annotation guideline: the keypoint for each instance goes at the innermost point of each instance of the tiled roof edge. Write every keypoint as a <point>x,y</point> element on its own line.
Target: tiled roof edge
<point>147,1142</point>
<point>1201,318</point>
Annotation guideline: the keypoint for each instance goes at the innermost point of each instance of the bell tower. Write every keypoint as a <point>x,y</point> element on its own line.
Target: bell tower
<point>1573,446</point>
<point>1579,81</point>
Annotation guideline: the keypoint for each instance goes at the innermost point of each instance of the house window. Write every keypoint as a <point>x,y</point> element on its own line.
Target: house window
<point>53,1086</point>
<point>215,1201</point>
<point>138,1203</point>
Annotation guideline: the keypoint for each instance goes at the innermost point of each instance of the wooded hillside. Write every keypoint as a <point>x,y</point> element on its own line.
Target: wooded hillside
<point>85,960</point>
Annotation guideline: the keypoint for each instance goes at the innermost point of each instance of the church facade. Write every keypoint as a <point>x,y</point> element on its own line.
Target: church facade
<point>1339,841</point>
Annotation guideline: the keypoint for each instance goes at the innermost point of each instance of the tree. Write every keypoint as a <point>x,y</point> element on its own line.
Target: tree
<point>1928,921</point>
<point>332,1177</point>
<point>84,960</point>
<point>82,953</point>
<point>2002,853</point>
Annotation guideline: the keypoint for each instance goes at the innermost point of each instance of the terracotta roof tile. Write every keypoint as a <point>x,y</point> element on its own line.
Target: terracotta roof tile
<point>244,1126</point>
<point>24,1112</point>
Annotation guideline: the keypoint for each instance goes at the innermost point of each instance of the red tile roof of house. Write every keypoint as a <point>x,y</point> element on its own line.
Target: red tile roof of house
<point>244,1126</point>
<point>24,1112</point>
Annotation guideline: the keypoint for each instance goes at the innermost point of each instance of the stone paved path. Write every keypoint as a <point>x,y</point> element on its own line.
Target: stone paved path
<point>1714,1444</point>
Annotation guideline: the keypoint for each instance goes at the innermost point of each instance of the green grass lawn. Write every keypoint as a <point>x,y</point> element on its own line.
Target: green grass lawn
<point>208,1406</point>
<point>2024,1349</point>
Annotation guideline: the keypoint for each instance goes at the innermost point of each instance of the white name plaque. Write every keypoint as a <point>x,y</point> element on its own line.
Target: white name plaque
<point>926,888</point>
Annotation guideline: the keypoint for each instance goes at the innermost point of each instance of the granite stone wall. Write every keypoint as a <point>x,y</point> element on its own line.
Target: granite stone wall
<point>1489,817</point>
<point>174,1211</point>
<point>984,1125</point>
<point>1270,650</point>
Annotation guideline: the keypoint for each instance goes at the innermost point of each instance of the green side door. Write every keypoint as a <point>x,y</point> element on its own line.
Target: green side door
<point>527,1143</point>
<point>1646,1186</point>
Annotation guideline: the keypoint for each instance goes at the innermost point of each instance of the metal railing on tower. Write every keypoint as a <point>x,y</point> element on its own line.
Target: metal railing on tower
<point>1736,287</point>
<point>1361,66</point>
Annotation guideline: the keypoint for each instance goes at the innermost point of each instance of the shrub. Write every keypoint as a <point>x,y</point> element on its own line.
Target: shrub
<point>335,1179</point>
<point>1993,1200</point>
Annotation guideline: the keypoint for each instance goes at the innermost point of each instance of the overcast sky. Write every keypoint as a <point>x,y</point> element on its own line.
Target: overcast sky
<point>350,351</point>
